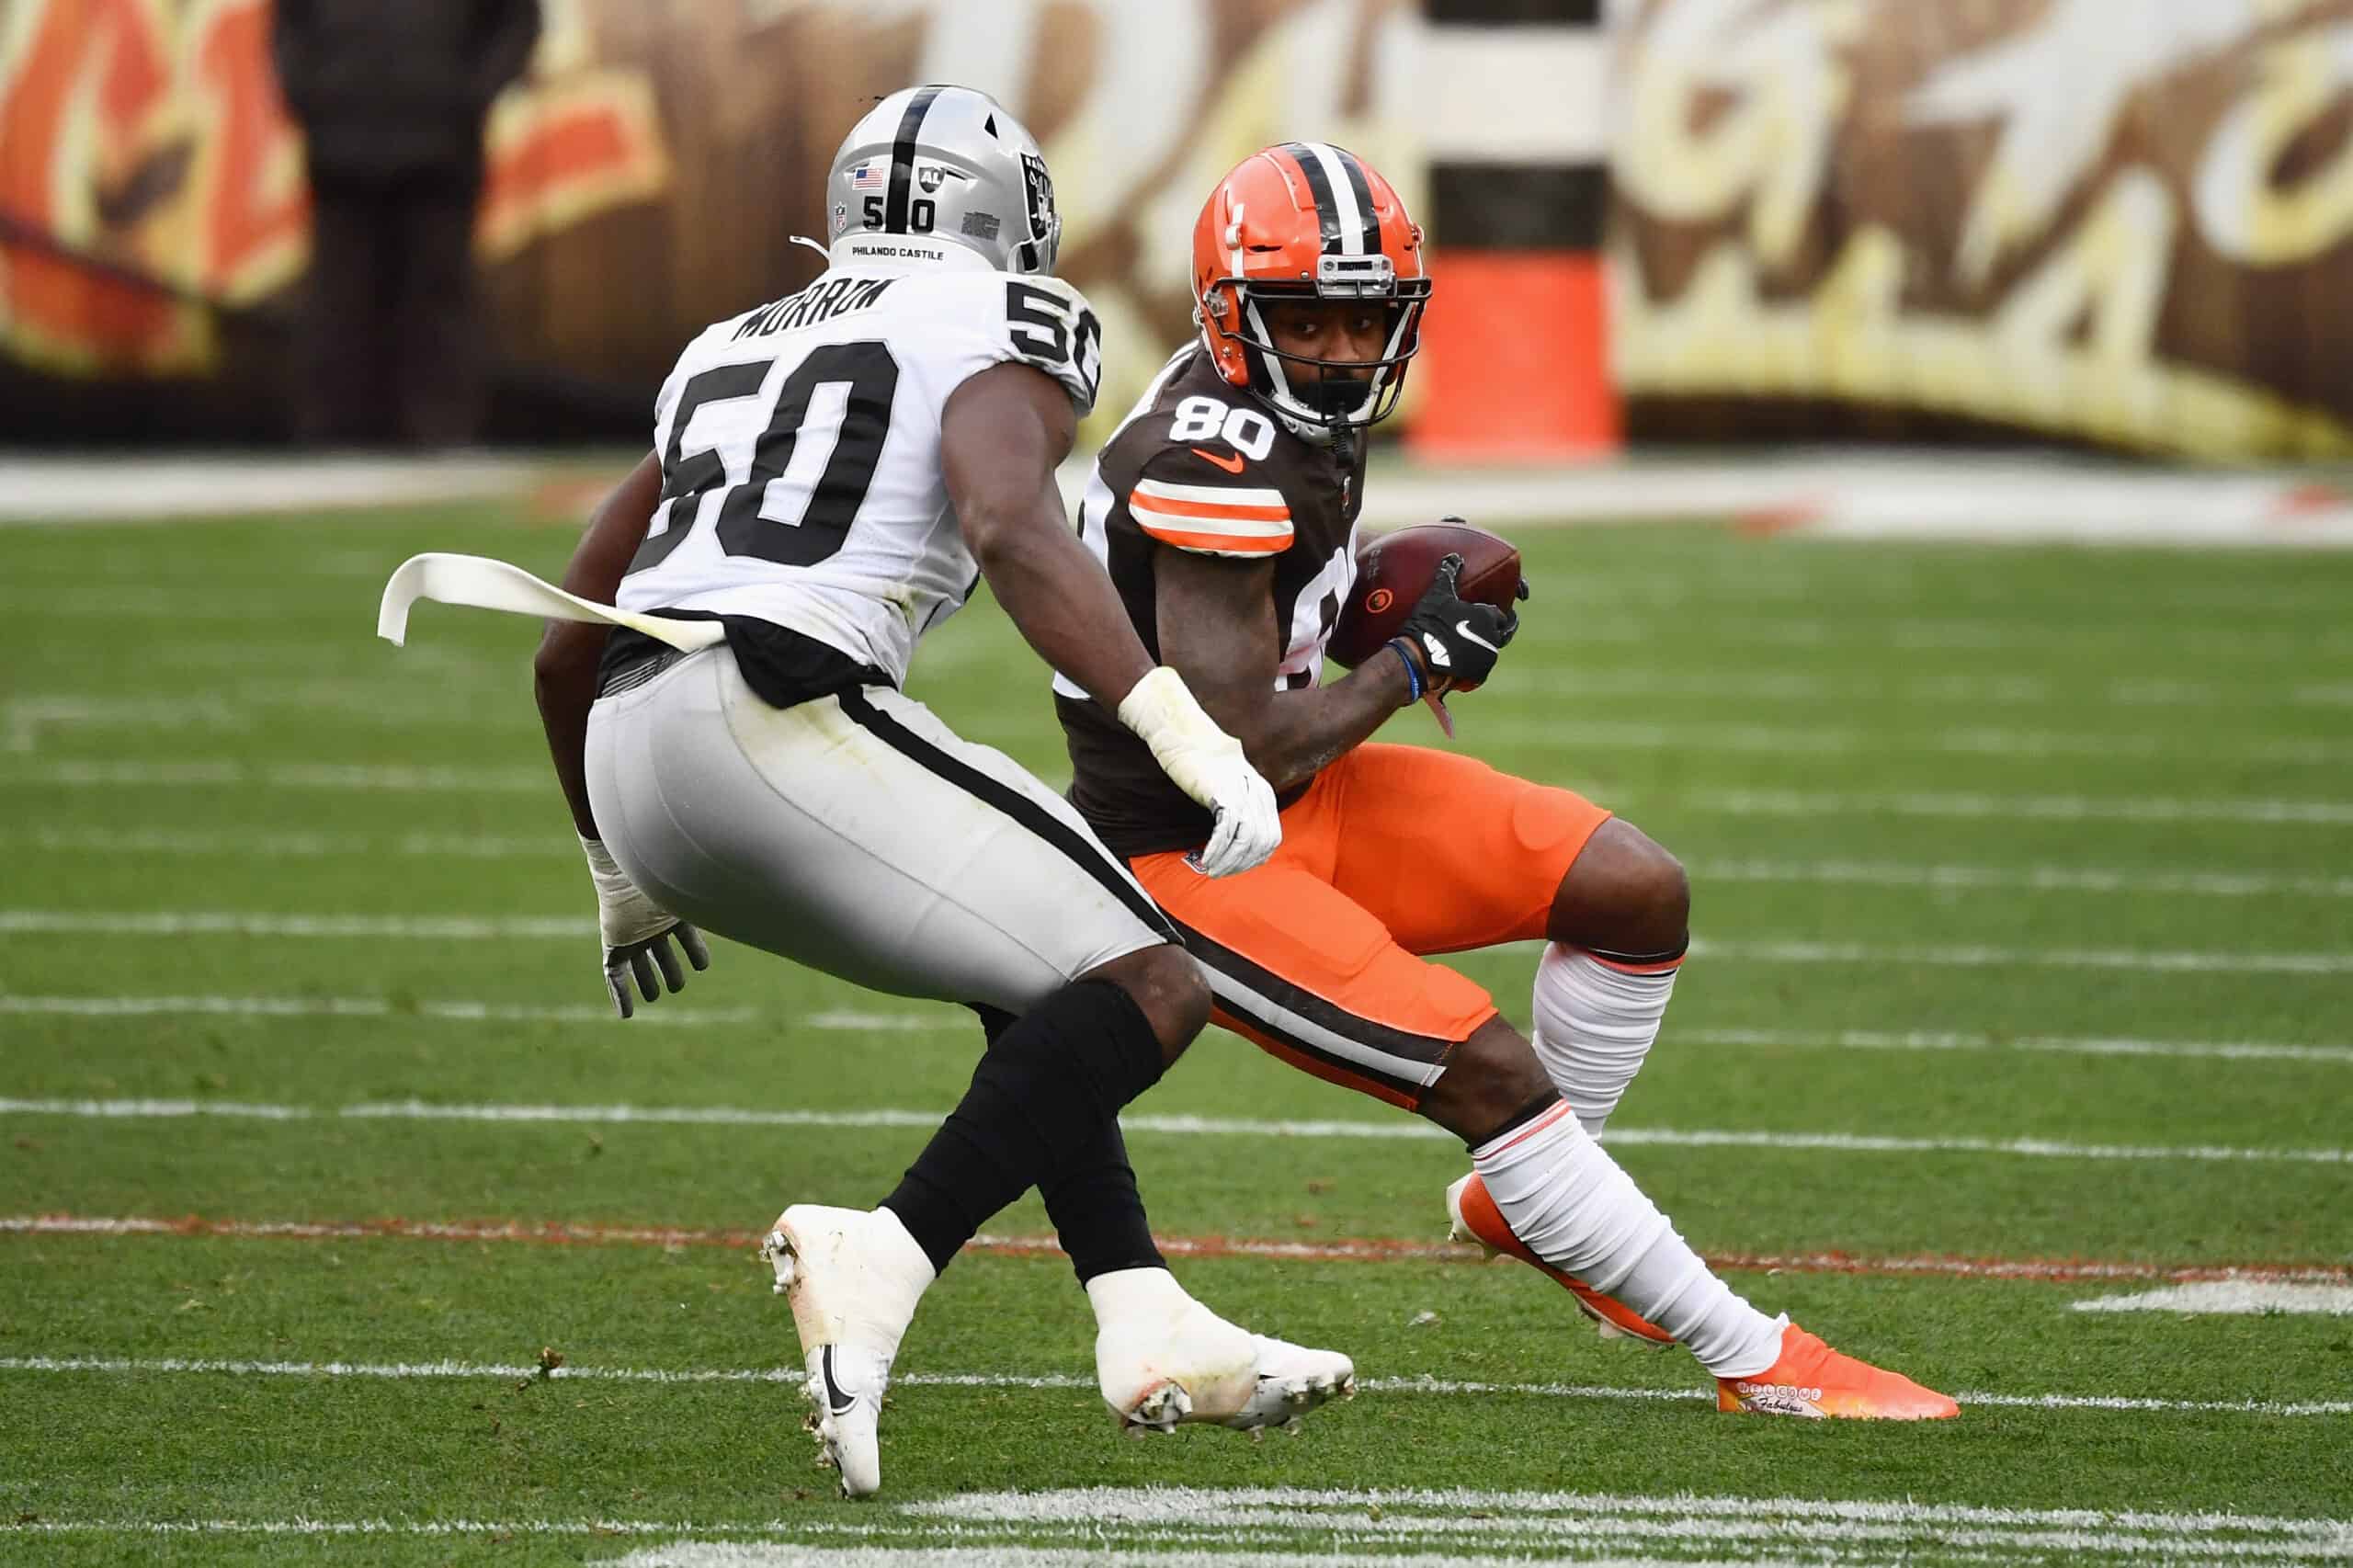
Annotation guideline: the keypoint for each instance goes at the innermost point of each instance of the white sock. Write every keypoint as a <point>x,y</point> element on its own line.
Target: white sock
<point>1131,1295</point>
<point>1594,1022</point>
<point>1578,1211</point>
<point>897,1264</point>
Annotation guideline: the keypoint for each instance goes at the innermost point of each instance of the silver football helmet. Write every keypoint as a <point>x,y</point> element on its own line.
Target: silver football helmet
<point>942,163</point>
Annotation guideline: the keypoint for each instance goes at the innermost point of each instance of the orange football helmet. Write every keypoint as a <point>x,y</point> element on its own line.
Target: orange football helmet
<point>1305,220</point>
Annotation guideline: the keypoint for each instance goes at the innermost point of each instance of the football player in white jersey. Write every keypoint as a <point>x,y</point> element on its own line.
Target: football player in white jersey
<point>833,473</point>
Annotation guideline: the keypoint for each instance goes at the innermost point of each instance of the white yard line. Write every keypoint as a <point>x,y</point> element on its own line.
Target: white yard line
<point>771,1546</point>
<point>444,1011</point>
<point>1726,802</point>
<point>956,1021</point>
<point>2245,1297</point>
<point>1866,873</point>
<point>472,927</point>
<point>1177,1126</point>
<point>251,704</point>
<point>22,720</point>
<point>236,922</point>
<point>1559,734</point>
<point>1970,957</point>
<point>281,776</point>
<point>2064,1045</point>
<point>2039,808</point>
<point>2030,878</point>
<point>1589,682</point>
<point>149,1365</point>
<point>169,841</point>
<point>562,1232</point>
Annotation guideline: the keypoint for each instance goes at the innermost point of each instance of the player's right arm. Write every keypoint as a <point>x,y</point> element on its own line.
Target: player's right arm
<point>634,931</point>
<point>1002,435</point>
<point>563,675</point>
<point>1002,432</point>
<point>1217,625</point>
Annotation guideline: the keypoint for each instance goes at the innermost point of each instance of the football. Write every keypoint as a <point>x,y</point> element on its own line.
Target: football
<point>1394,569</point>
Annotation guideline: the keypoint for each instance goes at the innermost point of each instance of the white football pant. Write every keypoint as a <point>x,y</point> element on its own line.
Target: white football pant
<point>858,834</point>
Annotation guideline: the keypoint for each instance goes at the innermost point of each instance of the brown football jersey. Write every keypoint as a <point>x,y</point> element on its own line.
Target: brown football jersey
<point>1199,465</point>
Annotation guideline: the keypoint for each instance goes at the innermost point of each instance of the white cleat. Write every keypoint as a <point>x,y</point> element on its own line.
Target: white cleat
<point>852,1278</point>
<point>1292,1381</point>
<point>1176,1361</point>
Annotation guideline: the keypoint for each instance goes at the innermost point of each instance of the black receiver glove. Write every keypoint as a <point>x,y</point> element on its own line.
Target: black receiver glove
<point>1459,640</point>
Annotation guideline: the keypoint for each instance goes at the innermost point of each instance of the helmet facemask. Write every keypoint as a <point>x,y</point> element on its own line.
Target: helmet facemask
<point>1366,390</point>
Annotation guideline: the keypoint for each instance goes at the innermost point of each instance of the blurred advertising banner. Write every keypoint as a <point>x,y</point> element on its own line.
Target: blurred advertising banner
<point>2127,222</point>
<point>645,179</point>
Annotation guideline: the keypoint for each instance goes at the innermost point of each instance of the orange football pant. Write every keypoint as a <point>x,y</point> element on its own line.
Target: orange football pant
<point>1393,853</point>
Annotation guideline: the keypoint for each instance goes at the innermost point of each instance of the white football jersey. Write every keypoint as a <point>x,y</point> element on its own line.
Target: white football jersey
<point>799,445</point>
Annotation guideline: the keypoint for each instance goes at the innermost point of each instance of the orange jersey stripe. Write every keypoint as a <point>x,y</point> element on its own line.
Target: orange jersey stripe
<point>1206,510</point>
<point>1231,544</point>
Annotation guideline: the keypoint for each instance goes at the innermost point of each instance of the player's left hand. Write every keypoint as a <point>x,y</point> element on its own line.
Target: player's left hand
<point>1459,639</point>
<point>636,933</point>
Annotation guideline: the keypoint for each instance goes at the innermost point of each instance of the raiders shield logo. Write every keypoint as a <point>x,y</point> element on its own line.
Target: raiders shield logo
<point>1042,195</point>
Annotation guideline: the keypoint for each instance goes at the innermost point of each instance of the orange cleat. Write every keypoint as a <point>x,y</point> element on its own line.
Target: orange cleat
<point>1813,1381</point>
<point>1473,1217</point>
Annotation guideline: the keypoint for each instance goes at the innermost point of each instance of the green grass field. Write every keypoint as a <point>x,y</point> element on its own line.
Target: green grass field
<point>2024,885</point>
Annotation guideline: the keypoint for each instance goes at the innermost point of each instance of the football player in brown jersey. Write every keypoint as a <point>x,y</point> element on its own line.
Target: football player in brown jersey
<point>1224,508</point>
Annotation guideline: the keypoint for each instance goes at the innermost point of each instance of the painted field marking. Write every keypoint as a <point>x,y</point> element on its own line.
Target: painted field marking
<point>1770,740</point>
<point>495,846</point>
<point>957,1021</point>
<point>256,923</point>
<point>1177,1126</point>
<point>1590,682</point>
<point>151,1366</point>
<point>2231,1296</point>
<point>1727,802</point>
<point>169,841</point>
<point>2067,1045</point>
<point>1637,1516</point>
<point>442,1011</point>
<point>1179,1527</point>
<point>558,1233</point>
<point>469,928</point>
<point>772,1546</point>
<point>280,776</point>
<point>2034,878</point>
<point>2260,646</point>
<point>2040,807</point>
<point>250,703</point>
<point>22,719</point>
<point>1974,957</point>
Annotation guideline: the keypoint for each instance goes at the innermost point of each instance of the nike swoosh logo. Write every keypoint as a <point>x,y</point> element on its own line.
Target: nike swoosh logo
<point>1463,629</point>
<point>840,1401</point>
<point>1231,465</point>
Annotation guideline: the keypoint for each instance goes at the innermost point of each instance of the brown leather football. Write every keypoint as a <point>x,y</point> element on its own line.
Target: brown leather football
<point>1394,569</point>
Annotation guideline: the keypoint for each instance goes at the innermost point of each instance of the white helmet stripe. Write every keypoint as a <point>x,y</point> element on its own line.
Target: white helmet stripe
<point>1344,197</point>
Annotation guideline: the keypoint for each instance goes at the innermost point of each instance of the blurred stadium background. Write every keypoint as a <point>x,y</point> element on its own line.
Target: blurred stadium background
<point>1951,398</point>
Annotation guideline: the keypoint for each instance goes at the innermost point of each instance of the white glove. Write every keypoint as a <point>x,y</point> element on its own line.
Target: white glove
<point>1207,764</point>
<point>636,933</point>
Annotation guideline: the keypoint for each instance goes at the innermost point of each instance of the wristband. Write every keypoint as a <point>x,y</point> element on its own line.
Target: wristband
<point>1413,675</point>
